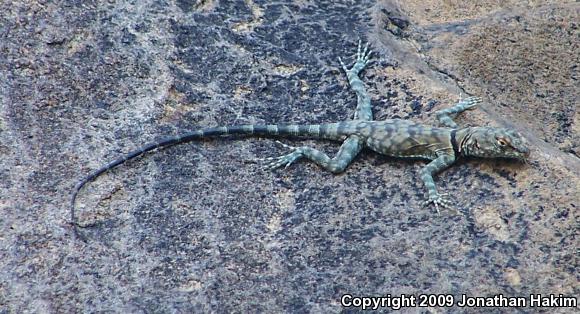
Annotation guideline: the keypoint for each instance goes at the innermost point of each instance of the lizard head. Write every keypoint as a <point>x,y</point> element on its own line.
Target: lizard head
<point>495,143</point>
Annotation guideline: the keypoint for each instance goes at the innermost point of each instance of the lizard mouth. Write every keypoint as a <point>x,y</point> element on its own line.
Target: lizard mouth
<point>524,155</point>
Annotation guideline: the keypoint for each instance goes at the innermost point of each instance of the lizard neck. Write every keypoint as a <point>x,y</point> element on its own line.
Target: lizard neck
<point>463,144</point>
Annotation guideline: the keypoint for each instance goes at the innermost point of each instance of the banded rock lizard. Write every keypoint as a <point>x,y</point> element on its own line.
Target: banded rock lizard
<point>442,146</point>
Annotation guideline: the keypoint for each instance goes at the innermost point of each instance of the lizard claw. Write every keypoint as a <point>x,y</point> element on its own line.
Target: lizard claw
<point>439,201</point>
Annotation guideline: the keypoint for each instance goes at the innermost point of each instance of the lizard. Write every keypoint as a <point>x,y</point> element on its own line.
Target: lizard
<point>441,146</point>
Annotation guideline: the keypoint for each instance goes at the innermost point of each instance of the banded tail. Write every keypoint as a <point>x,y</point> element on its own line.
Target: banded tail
<point>323,131</point>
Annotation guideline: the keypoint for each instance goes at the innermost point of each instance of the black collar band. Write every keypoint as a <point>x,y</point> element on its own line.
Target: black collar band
<point>456,149</point>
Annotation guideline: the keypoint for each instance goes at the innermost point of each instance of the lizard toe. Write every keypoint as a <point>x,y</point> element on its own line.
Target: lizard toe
<point>285,160</point>
<point>439,201</point>
<point>343,65</point>
<point>360,56</point>
<point>286,145</point>
<point>471,102</point>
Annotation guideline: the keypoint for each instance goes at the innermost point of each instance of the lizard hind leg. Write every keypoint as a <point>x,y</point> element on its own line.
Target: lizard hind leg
<point>348,151</point>
<point>353,144</point>
<point>363,108</point>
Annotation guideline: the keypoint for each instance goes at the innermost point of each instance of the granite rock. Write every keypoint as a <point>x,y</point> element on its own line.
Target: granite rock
<point>195,228</point>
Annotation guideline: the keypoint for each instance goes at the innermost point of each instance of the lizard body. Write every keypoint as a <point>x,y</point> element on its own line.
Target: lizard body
<point>442,146</point>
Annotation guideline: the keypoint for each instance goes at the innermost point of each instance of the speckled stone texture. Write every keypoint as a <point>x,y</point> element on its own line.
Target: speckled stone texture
<point>195,228</point>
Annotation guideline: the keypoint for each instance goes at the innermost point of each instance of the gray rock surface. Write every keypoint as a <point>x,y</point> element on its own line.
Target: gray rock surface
<point>195,228</point>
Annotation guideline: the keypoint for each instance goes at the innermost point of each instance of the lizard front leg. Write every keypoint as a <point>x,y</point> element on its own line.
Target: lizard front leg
<point>427,173</point>
<point>446,116</point>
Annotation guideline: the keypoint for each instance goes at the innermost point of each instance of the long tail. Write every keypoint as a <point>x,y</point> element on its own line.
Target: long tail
<point>326,131</point>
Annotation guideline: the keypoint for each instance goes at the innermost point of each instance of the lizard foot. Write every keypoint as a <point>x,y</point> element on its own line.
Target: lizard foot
<point>284,160</point>
<point>439,200</point>
<point>362,59</point>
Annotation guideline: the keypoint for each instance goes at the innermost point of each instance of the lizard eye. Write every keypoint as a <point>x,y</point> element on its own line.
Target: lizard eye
<point>501,142</point>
